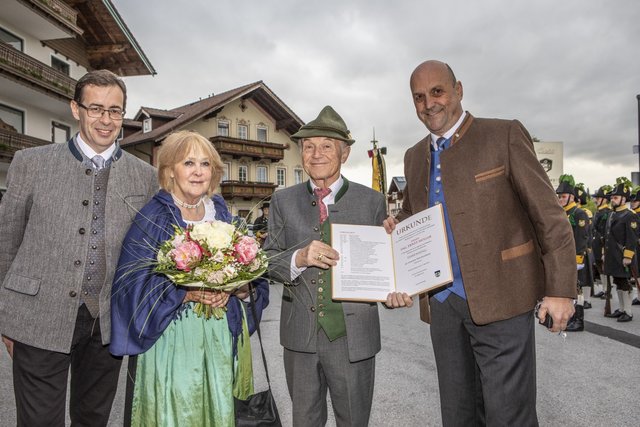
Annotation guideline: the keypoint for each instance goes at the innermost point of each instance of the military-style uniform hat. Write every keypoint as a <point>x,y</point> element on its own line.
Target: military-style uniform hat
<point>604,191</point>
<point>622,187</point>
<point>635,197</point>
<point>328,124</point>
<point>581,195</point>
<point>567,185</point>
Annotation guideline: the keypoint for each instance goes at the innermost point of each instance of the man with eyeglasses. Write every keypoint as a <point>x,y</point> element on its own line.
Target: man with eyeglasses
<point>65,213</point>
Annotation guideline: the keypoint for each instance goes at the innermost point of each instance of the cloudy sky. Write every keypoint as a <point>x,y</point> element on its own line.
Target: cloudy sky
<point>568,69</point>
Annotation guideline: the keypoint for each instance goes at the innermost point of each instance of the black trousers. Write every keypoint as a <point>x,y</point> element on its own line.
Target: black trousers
<point>40,379</point>
<point>486,374</point>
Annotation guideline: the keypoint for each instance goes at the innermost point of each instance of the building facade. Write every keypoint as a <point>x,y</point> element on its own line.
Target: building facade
<point>249,126</point>
<point>45,46</point>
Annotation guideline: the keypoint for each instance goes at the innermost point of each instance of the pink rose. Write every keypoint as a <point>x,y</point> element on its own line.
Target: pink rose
<point>186,255</point>
<point>246,250</point>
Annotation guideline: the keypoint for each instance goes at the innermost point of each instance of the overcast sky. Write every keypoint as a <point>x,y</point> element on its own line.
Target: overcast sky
<point>569,70</point>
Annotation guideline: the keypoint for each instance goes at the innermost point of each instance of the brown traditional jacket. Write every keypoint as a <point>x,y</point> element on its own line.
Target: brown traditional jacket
<point>513,240</point>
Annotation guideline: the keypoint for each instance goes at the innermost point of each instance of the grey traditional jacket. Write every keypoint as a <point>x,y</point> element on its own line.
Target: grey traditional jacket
<point>293,224</point>
<point>46,219</point>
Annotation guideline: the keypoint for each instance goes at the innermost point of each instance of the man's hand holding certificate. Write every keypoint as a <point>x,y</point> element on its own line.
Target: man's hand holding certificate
<point>413,259</point>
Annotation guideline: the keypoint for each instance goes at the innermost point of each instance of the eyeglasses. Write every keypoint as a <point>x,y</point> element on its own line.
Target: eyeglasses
<point>97,112</point>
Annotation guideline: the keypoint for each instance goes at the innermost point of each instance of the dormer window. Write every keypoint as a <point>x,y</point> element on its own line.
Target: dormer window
<point>261,133</point>
<point>243,131</point>
<point>223,128</point>
<point>146,125</point>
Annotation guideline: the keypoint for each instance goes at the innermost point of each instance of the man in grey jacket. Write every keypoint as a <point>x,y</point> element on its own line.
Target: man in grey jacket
<point>65,213</point>
<point>328,345</point>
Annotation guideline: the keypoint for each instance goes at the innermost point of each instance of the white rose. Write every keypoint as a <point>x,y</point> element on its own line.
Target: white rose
<point>217,234</point>
<point>216,277</point>
<point>229,271</point>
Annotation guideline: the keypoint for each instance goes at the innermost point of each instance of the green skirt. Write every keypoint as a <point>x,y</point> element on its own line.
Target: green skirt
<point>190,376</point>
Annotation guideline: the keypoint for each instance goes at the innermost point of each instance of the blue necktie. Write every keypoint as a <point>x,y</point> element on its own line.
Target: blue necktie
<point>440,142</point>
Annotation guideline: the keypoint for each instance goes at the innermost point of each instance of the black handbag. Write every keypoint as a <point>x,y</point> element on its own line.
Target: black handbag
<point>259,410</point>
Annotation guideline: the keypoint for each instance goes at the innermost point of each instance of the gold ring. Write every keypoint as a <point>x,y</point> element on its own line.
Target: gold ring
<point>319,257</point>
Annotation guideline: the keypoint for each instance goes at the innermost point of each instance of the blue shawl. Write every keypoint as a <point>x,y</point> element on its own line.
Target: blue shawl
<point>144,302</point>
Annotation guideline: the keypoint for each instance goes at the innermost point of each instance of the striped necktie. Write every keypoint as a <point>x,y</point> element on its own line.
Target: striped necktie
<point>321,193</point>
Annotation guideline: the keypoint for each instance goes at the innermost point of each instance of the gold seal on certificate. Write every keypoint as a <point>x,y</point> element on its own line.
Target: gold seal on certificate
<point>413,259</point>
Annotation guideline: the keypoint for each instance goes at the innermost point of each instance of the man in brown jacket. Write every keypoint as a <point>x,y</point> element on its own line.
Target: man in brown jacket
<point>510,246</point>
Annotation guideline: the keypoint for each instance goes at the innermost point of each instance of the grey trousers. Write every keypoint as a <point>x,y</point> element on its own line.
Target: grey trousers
<point>350,384</point>
<point>486,374</point>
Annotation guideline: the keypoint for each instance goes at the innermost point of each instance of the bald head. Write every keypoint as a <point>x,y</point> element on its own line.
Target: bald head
<point>437,96</point>
<point>433,64</point>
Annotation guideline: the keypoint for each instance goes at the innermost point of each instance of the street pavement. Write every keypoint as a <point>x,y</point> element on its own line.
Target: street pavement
<point>590,378</point>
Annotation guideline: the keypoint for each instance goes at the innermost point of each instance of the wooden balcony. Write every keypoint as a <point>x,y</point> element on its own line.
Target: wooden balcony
<point>58,10</point>
<point>10,142</point>
<point>256,150</point>
<point>246,189</point>
<point>30,72</point>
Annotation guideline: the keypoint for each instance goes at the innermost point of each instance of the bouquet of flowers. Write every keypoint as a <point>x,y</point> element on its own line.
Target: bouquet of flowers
<point>211,255</point>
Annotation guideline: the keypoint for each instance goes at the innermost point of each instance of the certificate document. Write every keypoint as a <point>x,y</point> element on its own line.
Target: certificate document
<point>414,258</point>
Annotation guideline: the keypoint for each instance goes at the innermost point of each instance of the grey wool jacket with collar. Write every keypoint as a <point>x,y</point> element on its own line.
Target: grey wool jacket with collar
<point>293,224</point>
<point>42,247</point>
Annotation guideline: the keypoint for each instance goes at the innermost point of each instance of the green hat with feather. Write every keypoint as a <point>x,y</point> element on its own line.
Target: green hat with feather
<point>622,187</point>
<point>567,185</point>
<point>604,191</point>
<point>582,195</point>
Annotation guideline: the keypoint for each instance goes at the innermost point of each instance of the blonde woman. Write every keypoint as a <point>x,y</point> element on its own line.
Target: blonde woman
<point>188,368</point>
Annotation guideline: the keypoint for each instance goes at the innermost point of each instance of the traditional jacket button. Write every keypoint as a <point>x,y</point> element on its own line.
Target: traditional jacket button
<point>313,308</point>
<point>313,281</point>
<point>320,289</point>
<point>81,231</point>
<point>85,203</point>
<point>313,203</point>
<point>72,294</point>
<point>88,171</point>
<point>316,229</point>
<point>321,314</point>
<point>77,262</point>
<point>321,281</point>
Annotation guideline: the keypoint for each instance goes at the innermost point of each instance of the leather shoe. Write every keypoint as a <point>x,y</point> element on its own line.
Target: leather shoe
<point>625,318</point>
<point>615,314</point>
<point>599,295</point>
<point>635,301</point>
<point>587,305</point>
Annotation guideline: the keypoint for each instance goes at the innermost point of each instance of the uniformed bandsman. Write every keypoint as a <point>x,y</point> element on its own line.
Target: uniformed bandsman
<point>620,247</point>
<point>599,224</point>
<point>635,207</point>
<point>579,221</point>
<point>585,276</point>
